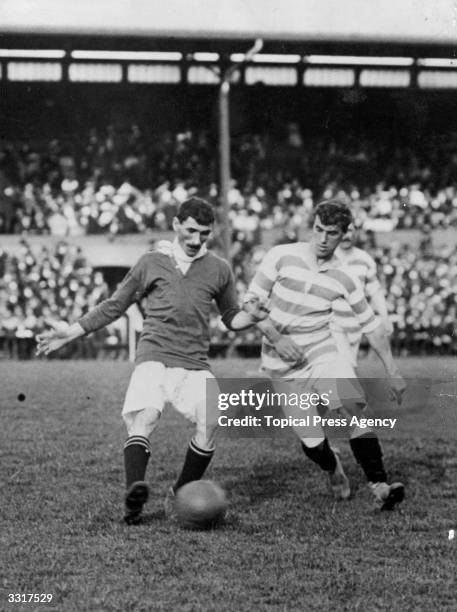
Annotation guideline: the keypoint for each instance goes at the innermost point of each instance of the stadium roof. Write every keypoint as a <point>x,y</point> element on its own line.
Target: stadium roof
<point>376,26</point>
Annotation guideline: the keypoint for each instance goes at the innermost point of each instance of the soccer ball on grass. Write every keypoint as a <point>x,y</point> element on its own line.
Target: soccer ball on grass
<point>200,504</point>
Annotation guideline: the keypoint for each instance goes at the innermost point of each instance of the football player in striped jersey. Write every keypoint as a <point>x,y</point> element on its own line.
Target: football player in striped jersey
<point>345,326</point>
<point>299,283</point>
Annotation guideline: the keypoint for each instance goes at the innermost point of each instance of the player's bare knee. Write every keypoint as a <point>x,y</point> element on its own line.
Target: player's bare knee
<point>142,422</point>
<point>205,434</point>
<point>205,440</point>
<point>313,442</point>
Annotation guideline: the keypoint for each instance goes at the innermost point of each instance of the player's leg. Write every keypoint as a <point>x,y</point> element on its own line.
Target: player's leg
<point>326,457</point>
<point>325,379</point>
<point>364,443</point>
<point>314,443</point>
<point>143,404</point>
<point>368,453</point>
<point>192,400</point>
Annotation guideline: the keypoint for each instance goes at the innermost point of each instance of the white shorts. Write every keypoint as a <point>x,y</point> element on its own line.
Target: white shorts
<point>153,384</point>
<point>334,379</point>
<point>348,350</point>
<point>337,385</point>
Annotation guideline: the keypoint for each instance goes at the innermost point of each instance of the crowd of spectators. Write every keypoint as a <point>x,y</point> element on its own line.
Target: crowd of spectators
<point>121,181</point>
<point>40,287</point>
<point>420,284</point>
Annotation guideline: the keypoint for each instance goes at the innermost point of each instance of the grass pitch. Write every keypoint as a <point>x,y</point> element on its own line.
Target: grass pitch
<point>286,545</point>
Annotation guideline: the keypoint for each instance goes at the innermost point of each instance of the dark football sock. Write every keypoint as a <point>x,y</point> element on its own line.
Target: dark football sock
<point>195,464</point>
<point>137,451</point>
<point>321,454</point>
<point>368,453</point>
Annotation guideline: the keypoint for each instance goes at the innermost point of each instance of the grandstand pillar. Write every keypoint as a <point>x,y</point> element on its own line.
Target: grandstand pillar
<point>224,164</point>
<point>226,72</point>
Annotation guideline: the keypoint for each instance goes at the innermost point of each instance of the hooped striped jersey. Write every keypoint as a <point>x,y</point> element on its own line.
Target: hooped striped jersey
<point>363,266</point>
<point>299,293</point>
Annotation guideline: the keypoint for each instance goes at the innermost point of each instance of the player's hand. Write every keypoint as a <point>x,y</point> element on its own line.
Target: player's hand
<point>253,306</point>
<point>388,326</point>
<point>288,350</point>
<point>397,389</point>
<point>53,339</point>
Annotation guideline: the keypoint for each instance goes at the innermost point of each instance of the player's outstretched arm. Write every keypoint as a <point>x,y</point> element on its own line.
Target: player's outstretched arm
<point>253,311</point>
<point>379,342</point>
<point>285,346</point>
<point>242,320</point>
<point>58,336</point>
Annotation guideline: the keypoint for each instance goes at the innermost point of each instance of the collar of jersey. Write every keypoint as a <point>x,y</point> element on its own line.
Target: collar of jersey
<point>179,255</point>
<point>333,262</point>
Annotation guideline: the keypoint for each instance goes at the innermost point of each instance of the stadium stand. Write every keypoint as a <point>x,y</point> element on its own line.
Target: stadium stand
<point>391,155</point>
<point>119,182</point>
<point>36,287</point>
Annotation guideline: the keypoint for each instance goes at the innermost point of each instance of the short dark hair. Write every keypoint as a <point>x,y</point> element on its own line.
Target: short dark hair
<point>334,212</point>
<point>198,209</point>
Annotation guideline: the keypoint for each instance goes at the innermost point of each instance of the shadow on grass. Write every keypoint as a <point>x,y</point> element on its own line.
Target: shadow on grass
<point>263,481</point>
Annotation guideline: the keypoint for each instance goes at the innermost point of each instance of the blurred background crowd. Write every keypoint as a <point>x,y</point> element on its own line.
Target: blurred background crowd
<point>129,178</point>
<point>120,181</point>
<point>49,285</point>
